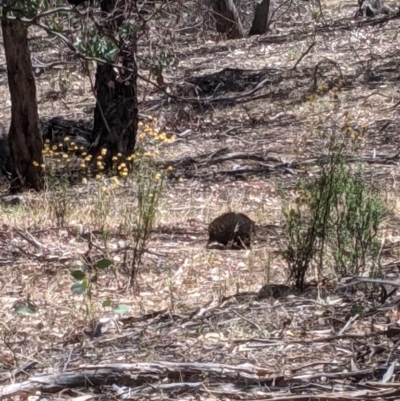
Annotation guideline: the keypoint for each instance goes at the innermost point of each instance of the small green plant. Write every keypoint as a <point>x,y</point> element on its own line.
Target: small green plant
<point>166,59</point>
<point>139,221</point>
<point>334,220</point>
<point>60,204</point>
<point>101,212</point>
<point>64,163</point>
<point>149,188</point>
<point>84,281</point>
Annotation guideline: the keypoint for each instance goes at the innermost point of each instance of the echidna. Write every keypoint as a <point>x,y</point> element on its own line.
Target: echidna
<point>231,228</point>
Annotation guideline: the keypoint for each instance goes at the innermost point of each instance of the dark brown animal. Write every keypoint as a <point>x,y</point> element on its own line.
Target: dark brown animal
<point>233,229</point>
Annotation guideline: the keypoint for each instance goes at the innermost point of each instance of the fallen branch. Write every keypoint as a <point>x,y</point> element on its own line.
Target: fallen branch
<point>138,374</point>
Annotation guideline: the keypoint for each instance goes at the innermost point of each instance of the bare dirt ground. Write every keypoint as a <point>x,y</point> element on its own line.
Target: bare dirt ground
<point>250,116</point>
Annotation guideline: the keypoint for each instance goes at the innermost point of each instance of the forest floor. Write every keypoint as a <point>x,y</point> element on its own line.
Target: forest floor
<point>251,116</point>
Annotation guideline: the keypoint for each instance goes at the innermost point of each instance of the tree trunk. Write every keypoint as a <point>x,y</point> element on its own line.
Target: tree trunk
<point>25,137</point>
<point>116,112</point>
<point>260,21</point>
<point>227,19</point>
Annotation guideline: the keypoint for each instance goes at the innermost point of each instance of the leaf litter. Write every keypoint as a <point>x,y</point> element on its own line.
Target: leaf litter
<point>198,327</point>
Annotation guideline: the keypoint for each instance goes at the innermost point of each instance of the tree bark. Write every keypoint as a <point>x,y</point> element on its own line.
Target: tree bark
<point>260,21</point>
<point>227,19</point>
<point>116,112</point>
<point>25,138</point>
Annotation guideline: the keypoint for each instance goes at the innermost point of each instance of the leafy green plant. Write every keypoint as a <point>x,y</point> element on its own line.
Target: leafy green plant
<point>95,45</point>
<point>84,281</point>
<point>138,221</point>
<point>334,221</point>
<point>59,200</point>
<point>166,59</point>
<point>101,212</point>
<point>149,189</point>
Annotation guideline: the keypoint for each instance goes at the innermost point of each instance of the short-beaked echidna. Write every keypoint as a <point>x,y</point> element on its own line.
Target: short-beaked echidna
<point>235,229</point>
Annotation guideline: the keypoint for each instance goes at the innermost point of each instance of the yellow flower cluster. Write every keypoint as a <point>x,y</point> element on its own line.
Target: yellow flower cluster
<point>63,153</point>
<point>148,132</point>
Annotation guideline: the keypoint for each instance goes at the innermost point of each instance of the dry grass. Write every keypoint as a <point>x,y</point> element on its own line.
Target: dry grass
<point>283,121</point>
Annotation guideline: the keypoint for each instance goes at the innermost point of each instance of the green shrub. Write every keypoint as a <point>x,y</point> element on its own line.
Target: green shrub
<point>334,221</point>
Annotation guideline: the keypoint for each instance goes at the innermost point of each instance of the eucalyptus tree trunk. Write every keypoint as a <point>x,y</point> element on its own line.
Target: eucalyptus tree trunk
<point>227,19</point>
<point>116,112</point>
<point>25,138</point>
<point>260,21</point>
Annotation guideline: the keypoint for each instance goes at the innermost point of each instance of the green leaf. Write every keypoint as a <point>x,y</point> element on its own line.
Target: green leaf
<point>121,309</point>
<point>103,263</point>
<point>78,274</point>
<point>23,310</point>
<point>106,302</point>
<point>77,288</point>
